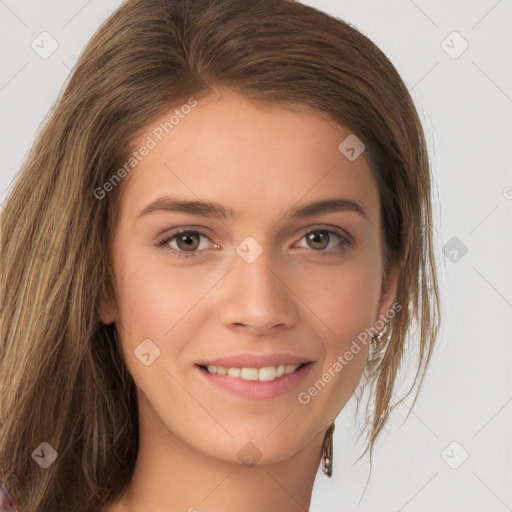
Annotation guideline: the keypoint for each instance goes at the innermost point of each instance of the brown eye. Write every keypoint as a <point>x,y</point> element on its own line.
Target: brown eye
<point>326,242</point>
<point>188,241</point>
<point>318,239</point>
<point>183,242</point>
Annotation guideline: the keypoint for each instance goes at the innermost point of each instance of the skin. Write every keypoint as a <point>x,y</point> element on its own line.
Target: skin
<point>260,161</point>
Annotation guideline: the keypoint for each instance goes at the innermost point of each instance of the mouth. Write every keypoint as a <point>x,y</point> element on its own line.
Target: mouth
<point>255,383</point>
<point>264,374</point>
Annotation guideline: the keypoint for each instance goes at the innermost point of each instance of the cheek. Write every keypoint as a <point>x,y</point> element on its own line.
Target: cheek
<point>153,295</point>
<point>160,302</point>
<point>346,301</point>
<point>153,302</point>
<point>346,296</point>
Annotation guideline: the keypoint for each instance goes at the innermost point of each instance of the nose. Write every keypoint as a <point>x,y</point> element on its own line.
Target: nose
<point>257,297</point>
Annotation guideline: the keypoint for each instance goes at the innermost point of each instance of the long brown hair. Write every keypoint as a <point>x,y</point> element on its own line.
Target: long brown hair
<point>63,379</point>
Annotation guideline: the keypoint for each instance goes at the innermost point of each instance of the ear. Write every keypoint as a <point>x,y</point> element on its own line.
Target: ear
<point>388,292</point>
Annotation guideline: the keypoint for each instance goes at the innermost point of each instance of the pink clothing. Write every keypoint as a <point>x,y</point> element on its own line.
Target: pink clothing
<point>6,500</point>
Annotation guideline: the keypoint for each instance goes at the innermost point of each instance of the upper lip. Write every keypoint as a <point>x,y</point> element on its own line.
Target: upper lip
<point>255,360</point>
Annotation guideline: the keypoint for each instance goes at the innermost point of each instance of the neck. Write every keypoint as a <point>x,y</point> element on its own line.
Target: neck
<point>170,475</point>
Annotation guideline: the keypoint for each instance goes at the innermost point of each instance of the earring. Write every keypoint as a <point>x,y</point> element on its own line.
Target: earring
<point>378,338</point>
<point>376,343</point>
<point>326,460</point>
<point>327,445</point>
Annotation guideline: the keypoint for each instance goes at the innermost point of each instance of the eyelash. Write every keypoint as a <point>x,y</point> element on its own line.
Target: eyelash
<point>344,244</point>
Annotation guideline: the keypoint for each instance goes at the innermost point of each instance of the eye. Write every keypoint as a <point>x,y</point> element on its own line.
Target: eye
<point>319,239</point>
<point>187,242</point>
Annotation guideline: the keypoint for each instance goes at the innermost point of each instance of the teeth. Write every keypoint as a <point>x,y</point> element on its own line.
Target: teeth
<point>249,374</point>
<point>234,372</point>
<point>268,373</point>
<point>290,368</point>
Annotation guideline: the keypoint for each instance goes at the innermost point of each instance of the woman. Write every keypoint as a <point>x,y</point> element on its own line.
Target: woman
<point>222,231</point>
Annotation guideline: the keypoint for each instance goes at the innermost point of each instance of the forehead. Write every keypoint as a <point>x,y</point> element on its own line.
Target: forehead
<point>250,157</point>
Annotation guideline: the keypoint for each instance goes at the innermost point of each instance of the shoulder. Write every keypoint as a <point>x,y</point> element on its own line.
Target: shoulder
<point>6,500</point>
<point>7,503</point>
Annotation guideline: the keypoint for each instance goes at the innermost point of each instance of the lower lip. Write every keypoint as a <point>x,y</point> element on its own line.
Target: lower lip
<point>255,389</point>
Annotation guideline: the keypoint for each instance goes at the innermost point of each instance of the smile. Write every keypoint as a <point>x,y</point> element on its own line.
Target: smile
<point>266,374</point>
<point>251,383</point>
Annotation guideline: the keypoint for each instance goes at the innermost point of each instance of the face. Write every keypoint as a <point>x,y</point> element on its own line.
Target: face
<point>259,282</point>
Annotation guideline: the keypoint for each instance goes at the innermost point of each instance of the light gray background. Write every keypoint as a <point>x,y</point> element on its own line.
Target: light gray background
<point>465,104</point>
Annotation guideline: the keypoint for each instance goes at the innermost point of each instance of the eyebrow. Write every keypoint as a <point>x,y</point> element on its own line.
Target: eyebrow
<point>218,211</point>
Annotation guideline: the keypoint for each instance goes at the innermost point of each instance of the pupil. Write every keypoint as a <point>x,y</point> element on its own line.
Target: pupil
<point>313,237</point>
<point>187,239</point>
